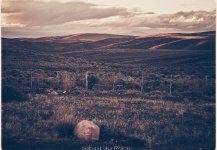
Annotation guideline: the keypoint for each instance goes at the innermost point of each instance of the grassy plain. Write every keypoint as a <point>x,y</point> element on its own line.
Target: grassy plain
<point>128,117</point>
<point>156,122</point>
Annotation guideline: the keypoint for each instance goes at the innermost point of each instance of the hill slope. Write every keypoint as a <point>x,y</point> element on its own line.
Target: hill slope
<point>190,41</point>
<point>199,41</point>
<point>174,51</point>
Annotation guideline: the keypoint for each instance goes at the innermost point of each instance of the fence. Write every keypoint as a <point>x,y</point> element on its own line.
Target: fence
<point>137,80</point>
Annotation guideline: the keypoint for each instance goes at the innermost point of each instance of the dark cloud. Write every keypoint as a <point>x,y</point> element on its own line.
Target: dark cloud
<point>35,13</point>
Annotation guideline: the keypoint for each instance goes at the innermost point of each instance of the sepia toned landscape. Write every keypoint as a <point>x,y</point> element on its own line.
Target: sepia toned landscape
<point>143,76</point>
<point>140,97</point>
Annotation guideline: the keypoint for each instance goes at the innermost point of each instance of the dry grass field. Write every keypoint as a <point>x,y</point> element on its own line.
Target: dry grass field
<point>141,98</point>
<point>134,122</point>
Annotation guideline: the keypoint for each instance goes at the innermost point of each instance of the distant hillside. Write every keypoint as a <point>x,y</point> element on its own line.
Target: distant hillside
<point>85,51</point>
<point>189,41</point>
<point>75,37</point>
<point>197,41</point>
<point>135,33</point>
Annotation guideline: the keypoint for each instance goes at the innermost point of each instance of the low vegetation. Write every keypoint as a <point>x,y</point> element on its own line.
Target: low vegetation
<point>156,122</point>
<point>138,97</point>
<point>12,94</point>
<point>175,87</point>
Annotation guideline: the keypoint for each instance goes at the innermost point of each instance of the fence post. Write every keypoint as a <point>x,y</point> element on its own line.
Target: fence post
<point>6,82</point>
<point>113,85</point>
<point>142,82</point>
<point>171,78</point>
<point>86,78</point>
<point>31,80</point>
<point>57,78</point>
<point>206,79</point>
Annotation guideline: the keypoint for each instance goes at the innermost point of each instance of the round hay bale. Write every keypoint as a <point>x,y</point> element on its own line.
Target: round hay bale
<point>87,130</point>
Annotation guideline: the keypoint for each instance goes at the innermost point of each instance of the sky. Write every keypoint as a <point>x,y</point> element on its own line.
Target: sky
<point>38,18</point>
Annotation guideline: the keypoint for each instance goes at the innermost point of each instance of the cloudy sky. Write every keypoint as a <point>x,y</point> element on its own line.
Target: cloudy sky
<point>36,18</point>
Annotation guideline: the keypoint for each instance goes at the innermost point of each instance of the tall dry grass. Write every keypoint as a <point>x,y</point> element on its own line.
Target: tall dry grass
<point>158,122</point>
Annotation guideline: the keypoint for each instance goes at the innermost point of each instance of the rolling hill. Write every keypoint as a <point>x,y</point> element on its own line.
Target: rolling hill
<point>190,41</point>
<point>75,37</point>
<point>84,50</point>
<point>162,85</point>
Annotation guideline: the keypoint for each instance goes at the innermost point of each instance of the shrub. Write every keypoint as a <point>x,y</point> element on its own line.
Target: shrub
<point>92,80</point>
<point>68,82</point>
<point>12,94</point>
<point>65,129</point>
<point>105,134</point>
<point>119,138</point>
<point>193,95</point>
<point>14,72</point>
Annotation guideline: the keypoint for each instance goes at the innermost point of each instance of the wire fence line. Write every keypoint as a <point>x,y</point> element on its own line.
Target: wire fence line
<point>99,80</point>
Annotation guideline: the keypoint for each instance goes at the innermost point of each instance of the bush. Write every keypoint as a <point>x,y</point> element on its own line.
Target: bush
<point>105,134</point>
<point>192,93</point>
<point>119,138</point>
<point>65,129</point>
<point>12,94</point>
<point>68,82</point>
<point>92,80</point>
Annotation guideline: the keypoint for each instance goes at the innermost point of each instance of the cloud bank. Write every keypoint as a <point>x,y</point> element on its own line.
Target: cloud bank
<point>78,16</point>
<point>35,13</point>
<point>179,20</point>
